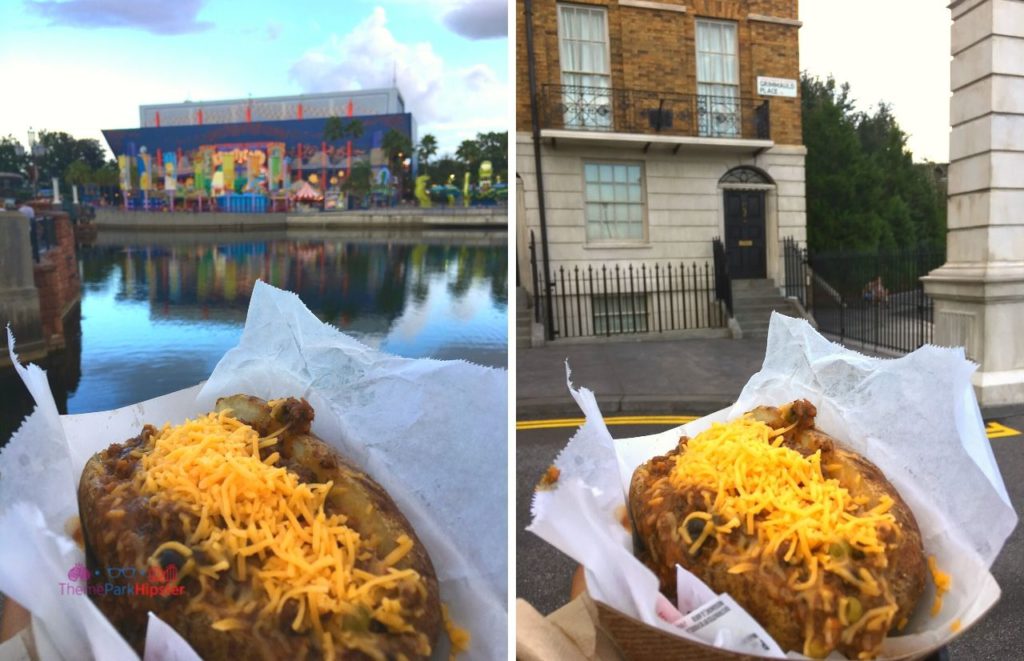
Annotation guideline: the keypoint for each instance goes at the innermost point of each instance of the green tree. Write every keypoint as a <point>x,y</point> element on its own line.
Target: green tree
<point>90,151</point>
<point>470,155</point>
<point>61,150</point>
<point>336,128</point>
<point>107,175</point>
<point>443,168</point>
<point>908,194</point>
<point>10,160</point>
<point>79,173</point>
<point>332,129</point>
<point>834,212</point>
<point>863,190</point>
<point>426,149</point>
<point>359,181</point>
<point>397,147</point>
<point>493,147</point>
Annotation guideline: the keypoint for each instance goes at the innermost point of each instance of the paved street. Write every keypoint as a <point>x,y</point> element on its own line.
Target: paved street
<point>543,575</point>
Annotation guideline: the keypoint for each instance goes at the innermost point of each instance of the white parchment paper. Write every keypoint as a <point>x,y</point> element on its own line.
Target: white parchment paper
<point>916,417</point>
<point>433,433</point>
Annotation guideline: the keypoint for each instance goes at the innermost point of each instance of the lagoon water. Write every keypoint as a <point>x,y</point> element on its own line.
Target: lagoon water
<point>158,311</point>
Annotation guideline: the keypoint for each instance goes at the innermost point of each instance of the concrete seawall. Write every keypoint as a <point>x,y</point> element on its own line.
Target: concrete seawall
<point>35,297</point>
<point>383,218</point>
<point>173,221</point>
<point>19,298</point>
<point>391,235</point>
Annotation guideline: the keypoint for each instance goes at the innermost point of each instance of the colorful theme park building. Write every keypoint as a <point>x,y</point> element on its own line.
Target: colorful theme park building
<point>263,147</point>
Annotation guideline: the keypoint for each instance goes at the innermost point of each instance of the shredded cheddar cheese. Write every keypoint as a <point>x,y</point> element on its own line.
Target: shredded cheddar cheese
<point>258,522</point>
<point>942,584</point>
<point>458,636</point>
<point>794,519</point>
<point>779,495</point>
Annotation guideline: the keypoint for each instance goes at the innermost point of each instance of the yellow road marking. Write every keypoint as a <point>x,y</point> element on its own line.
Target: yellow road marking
<point>996,430</point>
<point>557,423</point>
<point>992,429</point>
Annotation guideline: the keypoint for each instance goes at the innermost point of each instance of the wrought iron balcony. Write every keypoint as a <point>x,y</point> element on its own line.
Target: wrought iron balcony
<point>577,108</point>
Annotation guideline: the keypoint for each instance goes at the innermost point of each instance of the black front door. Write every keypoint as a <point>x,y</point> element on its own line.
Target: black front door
<point>744,233</point>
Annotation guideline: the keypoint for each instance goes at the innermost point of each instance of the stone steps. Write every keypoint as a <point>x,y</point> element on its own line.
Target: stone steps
<point>753,302</point>
<point>524,319</point>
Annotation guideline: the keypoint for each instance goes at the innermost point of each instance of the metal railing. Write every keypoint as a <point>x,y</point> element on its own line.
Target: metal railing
<point>43,235</point>
<point>876,299</point>
<point>796,271</point>
<point>576,107</point>
<point>533,274</point>
<point>606,300</point>
<point>723,283</point>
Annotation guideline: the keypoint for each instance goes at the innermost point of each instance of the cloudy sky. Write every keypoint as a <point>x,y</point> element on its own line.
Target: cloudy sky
<point>902,60</point>
<point>84,65</point>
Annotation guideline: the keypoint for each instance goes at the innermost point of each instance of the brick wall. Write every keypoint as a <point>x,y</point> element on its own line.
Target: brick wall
<point>56,278</point>
<point>655,50</point>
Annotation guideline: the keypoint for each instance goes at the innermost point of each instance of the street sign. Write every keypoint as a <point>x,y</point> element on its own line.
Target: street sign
<point>776,86</point>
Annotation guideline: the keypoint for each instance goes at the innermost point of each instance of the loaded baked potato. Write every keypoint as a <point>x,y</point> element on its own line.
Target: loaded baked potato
<point>254,539</point>
<point>809,538</point>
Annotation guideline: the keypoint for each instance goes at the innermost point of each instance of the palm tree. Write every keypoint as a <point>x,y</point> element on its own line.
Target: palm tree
<point>336,128</point>
<point>469,153</point>
<point>352,128</point>
<point>427,148</point>
<point>396,146</point>
<point>359,181</point>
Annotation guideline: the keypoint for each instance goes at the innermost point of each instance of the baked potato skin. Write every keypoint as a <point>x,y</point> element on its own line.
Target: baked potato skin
<point>128,539</point>
<point>657,508</point>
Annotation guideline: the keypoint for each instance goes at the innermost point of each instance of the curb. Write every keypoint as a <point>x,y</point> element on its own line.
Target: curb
<point>539,408</point>
<point>1002,411</point>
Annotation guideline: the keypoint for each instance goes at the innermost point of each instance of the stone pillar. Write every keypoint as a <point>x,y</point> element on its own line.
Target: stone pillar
<point>19,299</point>
<point>979,291</point>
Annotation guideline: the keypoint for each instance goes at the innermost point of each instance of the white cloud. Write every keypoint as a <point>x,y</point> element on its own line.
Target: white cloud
<point>472,19</point>
<point>478,19</point>
<point>479,78</point>
<point>453,104</point>
<point>156,17</point>
<point>274,30</point>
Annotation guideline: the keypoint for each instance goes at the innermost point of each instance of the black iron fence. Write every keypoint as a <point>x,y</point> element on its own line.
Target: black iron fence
<point>723,284</point>
<point>535,277</point>
<point>577,107</point>
<point>873,298</point>
<point>621,299</point>
<point>43,235</point>
<point>797,273</point>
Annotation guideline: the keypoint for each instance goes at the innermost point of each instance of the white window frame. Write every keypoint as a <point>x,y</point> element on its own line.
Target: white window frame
<point>718,111</point>
<point>593,238</point>
<point>585,106</point>
<point>606,319</point>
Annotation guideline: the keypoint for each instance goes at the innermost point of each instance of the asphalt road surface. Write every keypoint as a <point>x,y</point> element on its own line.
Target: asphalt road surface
<point>544,575</point>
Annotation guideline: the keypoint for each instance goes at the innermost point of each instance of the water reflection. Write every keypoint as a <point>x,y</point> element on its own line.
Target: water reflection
<point>157,315</point>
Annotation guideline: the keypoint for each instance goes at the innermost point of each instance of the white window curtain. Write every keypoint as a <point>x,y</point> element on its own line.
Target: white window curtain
<point>718,79</point>
<point>586,78</point>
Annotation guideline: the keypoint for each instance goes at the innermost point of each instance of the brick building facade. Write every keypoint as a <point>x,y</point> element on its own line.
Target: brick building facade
<point>654,138</point>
